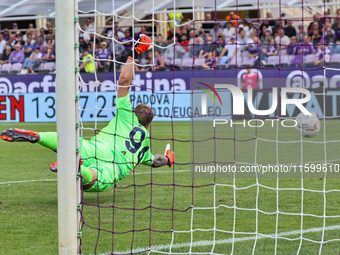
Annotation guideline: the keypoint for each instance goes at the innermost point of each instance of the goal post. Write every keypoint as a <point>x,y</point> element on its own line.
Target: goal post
<point>67,117</point>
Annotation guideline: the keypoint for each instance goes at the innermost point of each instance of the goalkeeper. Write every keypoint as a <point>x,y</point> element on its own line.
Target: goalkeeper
<point>119,147</point>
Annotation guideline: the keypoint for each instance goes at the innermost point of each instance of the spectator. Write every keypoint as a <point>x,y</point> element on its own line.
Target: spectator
<point>214,32</point>
<point>289,29</point>
<point>42,34</point>
<point>20,39</point>
<point>248,29</point>
<point>277,28</point>
<point>242,40</point>
<point>270,19</point>
<point>266,38</point>
<point>31,26</point>
<point>335,25</point>
<point>184,30</point>
<point>32,62</point>
<point>39,44</point>
<point>15,28</point>
<point>283,17</point>
<point>48,24</point>
<point>330,40</point>
<point>315,25</point>
<point>196,50</point>
<point>282,40</point>
<point>206,27</point>
<point>174,52</point>
<point>12,40</point>
<point>170,38</point>
<point>161,43</point>
<point>229,31</point>
<point>28,47</point>
<point>269,50</point>
<point>175,17</point>
<point>108,28</point>
<point>250,79</point>
<point>219,47</point>
<point>17,56</point>
<point>316,19</point>
<point>127,41</point>
<point>209,60</point>
<point>51,32</point>
<point>322,54</point>
<point>293,50</point>
<point>263,29</point>
<point>306,47</point>
<point>104,56</point>
<point>27,33</point>
<point>118,50</point>
<point>5,55</point>
<point>300,35</point>
<point>316,37</point>
<point>192,37</point>
<point>254,49</point>
<point>157,61</point>
<point>210,46</point>
<point>337,32</point>
<point>265,26</point>
<point>82,45</point>
<point>49,40</point>
<point>249,41</point>
<point>233,50</point>
<point>50,54</point>
<point>293,47</point>
<point>6,34</point>
<point>142,31</point>
<point>233,18</point>
<point>2,41</point>
<point>117,31</point>
<point>184,42</point>
<point>89,26</point>
<point>88,64</point>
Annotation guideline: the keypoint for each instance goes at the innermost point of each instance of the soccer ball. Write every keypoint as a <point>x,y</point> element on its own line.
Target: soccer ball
<point>307,125</point>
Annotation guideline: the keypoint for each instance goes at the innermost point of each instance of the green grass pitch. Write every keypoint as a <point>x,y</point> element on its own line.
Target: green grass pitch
<point>28,210</point>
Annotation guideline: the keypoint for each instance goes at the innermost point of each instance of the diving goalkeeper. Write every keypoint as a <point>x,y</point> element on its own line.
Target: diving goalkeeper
<point>119,147</point>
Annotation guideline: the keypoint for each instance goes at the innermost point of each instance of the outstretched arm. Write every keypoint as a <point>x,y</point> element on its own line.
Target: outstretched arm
<point>125,78</point>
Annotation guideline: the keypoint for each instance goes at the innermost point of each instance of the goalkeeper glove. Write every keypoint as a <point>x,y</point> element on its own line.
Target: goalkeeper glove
<point>170,156</point>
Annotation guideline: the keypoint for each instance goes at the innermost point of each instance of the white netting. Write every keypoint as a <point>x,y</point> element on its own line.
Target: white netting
<point>161,211</point>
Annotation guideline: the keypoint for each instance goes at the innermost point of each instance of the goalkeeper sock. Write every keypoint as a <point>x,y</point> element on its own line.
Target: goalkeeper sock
<point>87,174</point>
<point>48,140</point>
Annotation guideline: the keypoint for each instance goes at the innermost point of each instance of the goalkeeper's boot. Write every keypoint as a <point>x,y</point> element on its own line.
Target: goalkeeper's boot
<point>144,43</point>
<point>54,165</point>
<point>20,135</point>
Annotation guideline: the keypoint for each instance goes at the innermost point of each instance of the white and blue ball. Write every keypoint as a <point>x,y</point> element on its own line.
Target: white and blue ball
<point>307,125</point>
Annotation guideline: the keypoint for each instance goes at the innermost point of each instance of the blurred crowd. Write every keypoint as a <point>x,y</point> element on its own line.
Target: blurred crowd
<point>233,41</point>
<point>31,48</point>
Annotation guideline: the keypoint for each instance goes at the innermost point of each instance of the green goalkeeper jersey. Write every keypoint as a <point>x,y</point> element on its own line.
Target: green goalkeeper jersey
<point>128,141</point>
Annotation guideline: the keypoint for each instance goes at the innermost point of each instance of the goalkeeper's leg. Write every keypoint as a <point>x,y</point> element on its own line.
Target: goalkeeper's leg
<point>46,139</point>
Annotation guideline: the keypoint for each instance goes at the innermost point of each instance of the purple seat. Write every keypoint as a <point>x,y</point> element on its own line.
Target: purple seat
<point>247,62</point>
<point>309,60</point>
<point>49,66</point>
<point>272,61</point>
<point>244,54</point>
<point>188,62</point>
<point>235,60</point>
<point>177,62</point>
<point>335,59</point>
<point>186,55</point>
<point>285,61</point>
<point>39,68</point>
<point>6,68</point>
<point>199,61</point>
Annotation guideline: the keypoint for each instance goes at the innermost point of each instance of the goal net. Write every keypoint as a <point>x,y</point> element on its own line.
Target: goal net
<point>243,182</point>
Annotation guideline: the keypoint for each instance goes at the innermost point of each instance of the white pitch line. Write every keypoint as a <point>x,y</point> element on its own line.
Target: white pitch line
<point>156,248</point>
<point>43,180</point>
<point>50,180</point>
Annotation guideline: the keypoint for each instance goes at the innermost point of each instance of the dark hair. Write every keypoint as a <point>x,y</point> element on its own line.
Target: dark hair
<point>144,114</point>
<point>219,37</point>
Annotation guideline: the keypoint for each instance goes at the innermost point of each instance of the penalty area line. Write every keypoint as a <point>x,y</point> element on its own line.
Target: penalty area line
<point>156,248</point>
